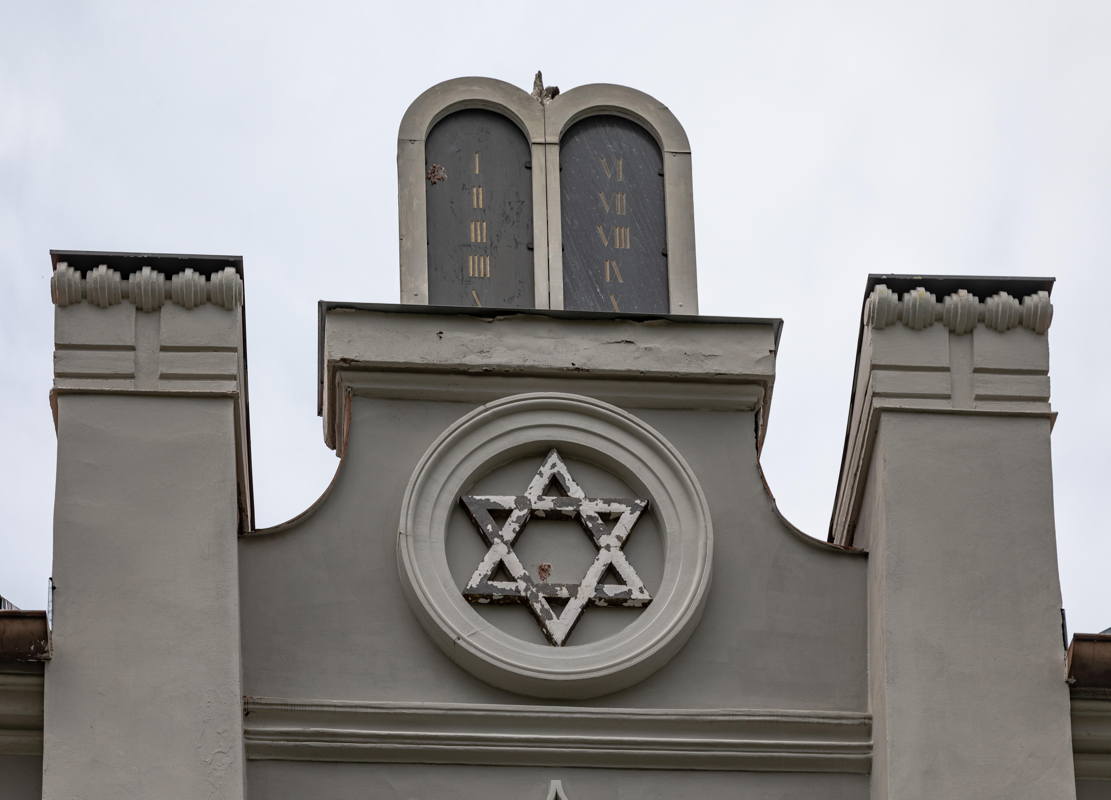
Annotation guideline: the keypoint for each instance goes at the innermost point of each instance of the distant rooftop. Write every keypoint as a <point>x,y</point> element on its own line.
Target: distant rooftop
<point>7,605</point>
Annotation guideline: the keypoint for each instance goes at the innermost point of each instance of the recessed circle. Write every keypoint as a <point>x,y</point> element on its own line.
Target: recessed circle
<point>582,430</point>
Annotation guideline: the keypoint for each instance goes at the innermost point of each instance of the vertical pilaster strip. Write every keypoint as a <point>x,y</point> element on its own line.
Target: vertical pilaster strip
<point>967,674</point>
<point>143,694</point>
<point>948,484</point>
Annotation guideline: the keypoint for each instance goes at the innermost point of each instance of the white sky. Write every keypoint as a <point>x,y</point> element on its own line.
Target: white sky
<point>830,140</point>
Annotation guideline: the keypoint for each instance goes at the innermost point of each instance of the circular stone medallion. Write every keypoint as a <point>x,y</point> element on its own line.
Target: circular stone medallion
<point>480,531</point>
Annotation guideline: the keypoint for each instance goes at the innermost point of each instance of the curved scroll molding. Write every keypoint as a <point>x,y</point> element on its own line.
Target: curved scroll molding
<point>146,289</point>
<point>960,311</point>
<point>422,115</point>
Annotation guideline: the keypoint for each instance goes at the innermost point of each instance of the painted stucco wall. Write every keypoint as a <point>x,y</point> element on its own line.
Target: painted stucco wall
<point>325,618</point>
<point>143,690</point>
<point>328,585</point>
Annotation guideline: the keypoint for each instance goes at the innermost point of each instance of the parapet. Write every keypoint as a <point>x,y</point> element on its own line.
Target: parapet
<point>943,345</point>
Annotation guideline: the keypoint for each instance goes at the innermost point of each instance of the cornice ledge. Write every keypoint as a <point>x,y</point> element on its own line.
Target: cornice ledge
<point>21,713</point>
<point>959,311</point>
<point>147,289</point>
<point>429,733</point>
<point>1091,737</point>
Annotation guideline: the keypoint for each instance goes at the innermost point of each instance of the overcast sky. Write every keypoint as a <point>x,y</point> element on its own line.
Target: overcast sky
<point>830,140</point>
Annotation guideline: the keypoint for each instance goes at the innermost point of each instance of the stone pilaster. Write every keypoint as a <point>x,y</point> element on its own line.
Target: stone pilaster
<point>947,482</point>
<point>143,694</point>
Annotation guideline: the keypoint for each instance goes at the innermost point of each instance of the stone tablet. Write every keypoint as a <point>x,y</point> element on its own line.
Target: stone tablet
<point>479,201</point>
<point>614,227</point>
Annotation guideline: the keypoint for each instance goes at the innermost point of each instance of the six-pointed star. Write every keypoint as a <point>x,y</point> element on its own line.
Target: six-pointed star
<point>482,588</point>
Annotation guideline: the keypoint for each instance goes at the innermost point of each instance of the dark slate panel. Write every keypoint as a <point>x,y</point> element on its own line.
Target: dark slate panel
<point>614,228</point>
<point>479,188</point>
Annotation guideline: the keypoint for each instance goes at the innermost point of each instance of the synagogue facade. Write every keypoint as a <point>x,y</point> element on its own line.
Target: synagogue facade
<point>548,565</point>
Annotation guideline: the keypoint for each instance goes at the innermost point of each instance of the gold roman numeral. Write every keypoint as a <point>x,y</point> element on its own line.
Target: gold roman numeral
<point>478,197</point>
<point>478,266</point>
<point>474,294</point>
<point>617,205</point>
<point>478,231</point>
<point>613,271</point>
<point>613,302</point>
<point>622,237</point>
<point>476,163</point>
<point>614,170</point>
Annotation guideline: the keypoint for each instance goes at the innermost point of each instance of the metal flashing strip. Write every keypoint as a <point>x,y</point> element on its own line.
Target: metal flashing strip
<point>448,733</point>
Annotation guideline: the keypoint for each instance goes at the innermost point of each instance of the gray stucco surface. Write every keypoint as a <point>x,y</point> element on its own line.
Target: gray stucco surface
<point>966,658</point>
<point>324,616</point>
<point>285,781</point>
<point>20,777</point>
<point>142,692</point>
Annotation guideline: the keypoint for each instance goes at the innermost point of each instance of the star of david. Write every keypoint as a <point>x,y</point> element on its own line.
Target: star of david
<point>591,513</point>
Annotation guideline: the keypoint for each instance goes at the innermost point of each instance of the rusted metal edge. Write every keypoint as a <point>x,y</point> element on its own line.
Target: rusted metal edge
<point>24,636</point>
<point>1089,665</point>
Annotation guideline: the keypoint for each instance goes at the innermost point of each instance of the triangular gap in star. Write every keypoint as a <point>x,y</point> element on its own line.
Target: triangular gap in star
<point>500,573</point>
<point>556,604</point>
<point>611,577</point>
<point>555,487</point>
<point>499,516</point>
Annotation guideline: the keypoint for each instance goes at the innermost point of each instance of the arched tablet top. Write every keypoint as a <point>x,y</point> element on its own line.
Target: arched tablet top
<point>607,98</point>
<point>462,93</point>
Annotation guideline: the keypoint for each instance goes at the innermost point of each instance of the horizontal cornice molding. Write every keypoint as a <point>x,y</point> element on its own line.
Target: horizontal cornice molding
<point>21,698</point>
<point>429,733</point>
<point>721,354</point>
<point>1091,737</point>
<point>147,289</point>
<point>960,311</point>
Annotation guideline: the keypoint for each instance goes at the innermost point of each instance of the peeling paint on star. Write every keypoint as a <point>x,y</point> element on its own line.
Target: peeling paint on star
<point>522,589</point>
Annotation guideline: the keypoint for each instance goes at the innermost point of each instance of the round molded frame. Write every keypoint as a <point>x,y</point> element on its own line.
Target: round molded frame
<point>581,427</point>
